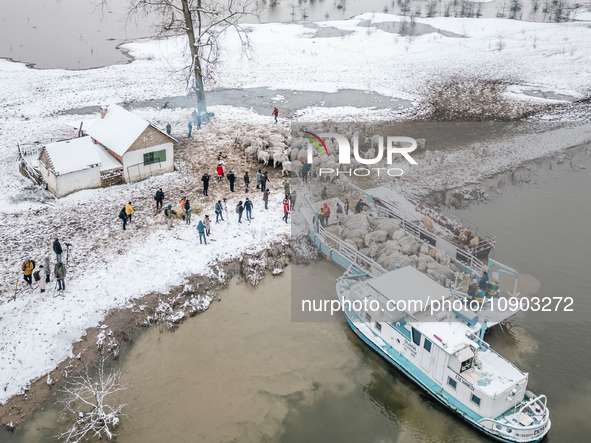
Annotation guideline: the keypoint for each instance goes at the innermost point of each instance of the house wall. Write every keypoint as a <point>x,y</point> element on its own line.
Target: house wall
<point>65,184</point>
<point>133,162</point>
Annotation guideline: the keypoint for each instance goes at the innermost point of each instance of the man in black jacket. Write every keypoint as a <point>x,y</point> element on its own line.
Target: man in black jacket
<point>246,181</point>
<point>123,217</point>
<point>231,178</point>
<point>57,248</point>
<point>264,180</point>
<point>205,180</point>
<point>159,197</point>
<point>359,206</point>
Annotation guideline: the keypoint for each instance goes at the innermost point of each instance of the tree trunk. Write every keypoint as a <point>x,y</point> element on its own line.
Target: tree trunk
<point>195,61</point>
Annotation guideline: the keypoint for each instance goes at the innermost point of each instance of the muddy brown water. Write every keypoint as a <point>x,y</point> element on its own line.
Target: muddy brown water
<point>244,372</point>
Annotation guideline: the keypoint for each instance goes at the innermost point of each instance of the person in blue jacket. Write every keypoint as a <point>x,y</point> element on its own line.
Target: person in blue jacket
<point>201,229</point>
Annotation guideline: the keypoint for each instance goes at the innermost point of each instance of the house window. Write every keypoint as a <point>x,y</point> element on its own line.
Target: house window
<point>427,345</point>
<point>368,317</point>
<point>416,337</point>
<point>452,382</point>
<point>475,400</point>
<point>378,326</point>
<point>154,157</point>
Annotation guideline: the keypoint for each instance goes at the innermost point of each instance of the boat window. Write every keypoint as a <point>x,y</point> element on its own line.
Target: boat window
<point>416,337</point>
<point>378,326</point>
<point>452,382</point>
<point>475,400</point>
<point>427,345</point>
<point>368,317</point>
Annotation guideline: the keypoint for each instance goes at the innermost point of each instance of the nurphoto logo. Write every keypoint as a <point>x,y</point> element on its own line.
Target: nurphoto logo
<point>395,145</point>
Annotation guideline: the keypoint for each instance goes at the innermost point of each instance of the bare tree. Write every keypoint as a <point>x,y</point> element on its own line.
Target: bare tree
<point>432,8</point>
<point>535,7</point>
<point>86,400</point>
<point>515,7</point>
<point>204,22</point>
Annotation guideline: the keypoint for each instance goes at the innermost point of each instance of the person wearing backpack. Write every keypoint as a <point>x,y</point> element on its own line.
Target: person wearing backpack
<point>122,216</point>
<point>27,268</point>
<point>201,229</point>
<point>169,216</point>
<point>239,211</point>
<point>39,278</point>
<point>187,212</point>
<point>248,207</point>
<point>205,180</point>
<point>218,211</point>
<point>60,273</point>
<point>57,248</point>
<point>159,197</point>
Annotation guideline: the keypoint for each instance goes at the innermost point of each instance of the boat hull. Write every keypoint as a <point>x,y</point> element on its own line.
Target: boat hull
<point>409,374</point>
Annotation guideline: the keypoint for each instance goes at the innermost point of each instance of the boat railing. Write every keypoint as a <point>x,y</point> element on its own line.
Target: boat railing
<point>350,253</point>
<point>537,400</point>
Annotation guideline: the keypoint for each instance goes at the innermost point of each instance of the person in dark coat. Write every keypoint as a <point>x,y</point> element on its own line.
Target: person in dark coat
<point>240,210</point>
<point>246,181</point>
<point>205,180</point>
<point>346,206</point>
<point>292,199</point>
<point>359,206</point>
<point>483,283</point>
<point>324,194</point>
<point>187,212</point>
<point>248,208</point>
<point>218,211</point>
<point>190,128</point>
<point>264,180</point>
<point>198,120</point>
<point>123,217</point>
<point>60,273</point>
<point>231,179</point>
<point>57,248</point>
<point>266,198</point>
<point>168,129</point>
<point>202,236</point>
<point>159,197</point>
<point>305,170</point>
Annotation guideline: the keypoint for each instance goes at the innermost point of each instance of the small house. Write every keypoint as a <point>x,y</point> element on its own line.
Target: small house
<point>141,148</point>
<point>71,165</point>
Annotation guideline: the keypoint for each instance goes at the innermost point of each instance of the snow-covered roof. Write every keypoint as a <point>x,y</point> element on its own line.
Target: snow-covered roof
<point>108,162</point>
<point>118,129</point>
<point>72,155</point>
<point>408,284</point>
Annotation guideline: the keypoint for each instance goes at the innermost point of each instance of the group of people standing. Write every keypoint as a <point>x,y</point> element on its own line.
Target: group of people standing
<point>43,274</point>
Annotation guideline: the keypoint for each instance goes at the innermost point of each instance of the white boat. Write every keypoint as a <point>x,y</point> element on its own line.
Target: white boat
<point>444,354</point>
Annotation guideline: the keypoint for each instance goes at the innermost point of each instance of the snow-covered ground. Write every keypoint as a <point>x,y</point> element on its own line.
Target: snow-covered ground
<point>37,331</point>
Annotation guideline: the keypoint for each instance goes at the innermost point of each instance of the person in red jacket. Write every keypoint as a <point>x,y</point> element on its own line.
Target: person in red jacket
<point>285,209</point>
<point>275,114</point>
<point>220,171</point>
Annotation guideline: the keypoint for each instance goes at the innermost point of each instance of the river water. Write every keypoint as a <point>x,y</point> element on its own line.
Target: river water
<point>244,372</point>
<point>79,34</point>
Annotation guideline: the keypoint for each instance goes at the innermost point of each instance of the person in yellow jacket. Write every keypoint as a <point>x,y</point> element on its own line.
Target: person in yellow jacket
<point>129,210</point>
<point>27,268</point>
